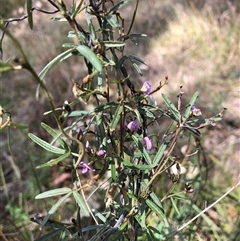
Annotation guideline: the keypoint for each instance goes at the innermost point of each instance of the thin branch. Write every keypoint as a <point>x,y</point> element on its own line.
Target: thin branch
<point>25,16</point>
<point>206,209</point>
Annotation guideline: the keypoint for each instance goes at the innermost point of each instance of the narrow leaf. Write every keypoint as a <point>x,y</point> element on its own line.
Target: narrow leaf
<point>49,235</point>
<point>155,208</point>
<point>54,161</point>
<point>81,203</point>
<point>118,6</point>
<point>156,199</point>
<point>29,12</point>
<point>135,65</point>
<point>90,25</point>
<point>175,206</point>
<point>19,126</point>
<point>59,202</point>
<point>90,56</point>
<point>133,57</point>
<point>191,102</point>
<point>54,62</point>
<point>51,65</point>
<point>121,61</point>
<point>172,107</point>
<point>58,19</point>
<point>116,117</point>
<point>46,145</point>
<point>54,209</point>
<point>105,107</point>
<point>159,154</point>
<point>69,45</point>
<point>137,167</point>
<point>113,44</point>
<point>54,192</point>
<point>5,66</point>
<point>142,149</point>
<point>54,134</point>
<point>112,20</point>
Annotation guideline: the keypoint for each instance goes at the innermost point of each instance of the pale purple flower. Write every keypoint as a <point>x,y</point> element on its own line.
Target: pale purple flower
<point>146,88</point>
<point>195,112</point>
<point>87,148</point>
<point>85,167</point>
<point>133,126</point>
<point>148,143</point>
<point>101,153</point>
<point>193,107</point>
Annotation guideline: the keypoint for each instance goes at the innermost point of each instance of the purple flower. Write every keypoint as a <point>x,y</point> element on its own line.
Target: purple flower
<point>85,167</point>
<point>148,143</point>
<point>87,148</point>
<point>133,126</point>
<point>101,153</point>
<point>193,107</point>
<point>195,112</point>
<point>146,88</point>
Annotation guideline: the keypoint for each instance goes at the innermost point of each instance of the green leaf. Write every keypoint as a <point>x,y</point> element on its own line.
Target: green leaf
<point>116,117</point>
<point>105,107</point>
<point>150,236</point>
<point>175,206</point>
<point>90,25</point>
<point>118,6</point>
<point>136,167</point>
<point>55,161</point>
<point>135,58</point>
<point>133,35</point>
<point>135,65</point>
<point>51,65</point>
<point>156,199</point>
<point>113,44</point>
<point>112,20</point>
<point>55,135</point>
<point>120,62</point>
<point>191,102</point>
<point>155,208</point>
<point>90,56</point>
<point>48,236</point>
<point>159,154</point>
<point>142,149</point>
<point>58,19</point>
<point>54,192</point>
<point>46,145</point>
<point>54,62</point>
<point>81,203</point>
<point>77,10</point>
<point>113,172</point>
<point>192,130</point>
<point>5,66</point>
<point>29,12</point>
<point>79,113</point>
<point>69,45</point>
<point>54,208</point>
<point>172,107</point>
<point>19,126</point>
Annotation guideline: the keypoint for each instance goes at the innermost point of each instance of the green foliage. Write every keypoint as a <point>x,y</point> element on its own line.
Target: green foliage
<point>118,142</point>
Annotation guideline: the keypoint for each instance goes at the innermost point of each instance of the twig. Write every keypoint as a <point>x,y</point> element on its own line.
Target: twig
<point>25,16</point>
<point>206,209</point>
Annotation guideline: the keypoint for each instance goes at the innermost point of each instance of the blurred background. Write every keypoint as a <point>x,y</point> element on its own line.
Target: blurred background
<point>195,43</point>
